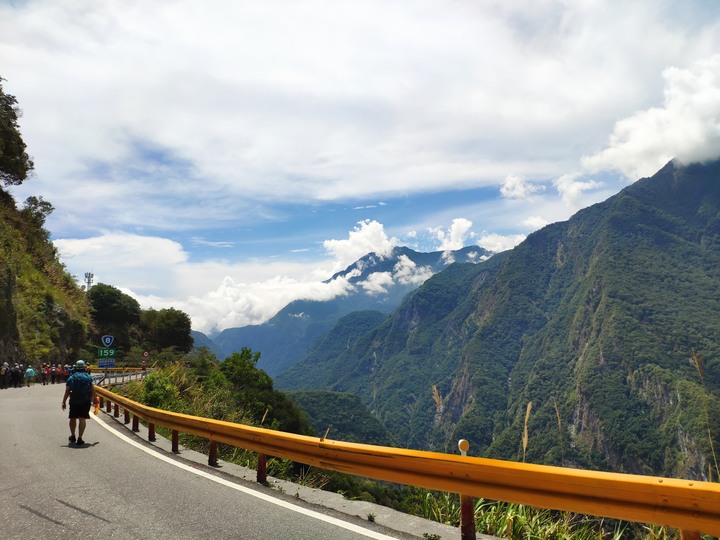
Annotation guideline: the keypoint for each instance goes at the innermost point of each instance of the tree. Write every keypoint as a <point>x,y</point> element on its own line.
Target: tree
<point>113,311</point>
<point>168,328</point>
<point>35,211</point>
<point>240,370</point>
<point>15,164</point>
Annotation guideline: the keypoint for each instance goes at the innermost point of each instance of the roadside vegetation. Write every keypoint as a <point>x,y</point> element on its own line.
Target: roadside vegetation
<point>235,390</point>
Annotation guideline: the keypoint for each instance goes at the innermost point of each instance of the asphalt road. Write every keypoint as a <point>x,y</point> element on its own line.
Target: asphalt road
<point>115,487</point>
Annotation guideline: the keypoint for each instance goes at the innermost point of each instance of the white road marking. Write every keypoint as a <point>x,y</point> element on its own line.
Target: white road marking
<point>248,491</point>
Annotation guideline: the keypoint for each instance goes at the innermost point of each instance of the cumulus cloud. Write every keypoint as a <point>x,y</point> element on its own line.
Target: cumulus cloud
<point>377,282</point>
<point>497,242</point>
<point>518,187</point>
<point>406,272</point>
<point>572,186</point>
<point>454,237</point>
<point>367,237</point>
<point>535,222</point>
<point>686,126</point>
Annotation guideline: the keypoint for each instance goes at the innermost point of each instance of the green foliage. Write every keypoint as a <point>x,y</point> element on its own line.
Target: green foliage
<point>114,313</point>
<point>166,328</point>
<point>44,315</point>
<point>15,164</point>
<point>235,392</point>
<point>342,416</point>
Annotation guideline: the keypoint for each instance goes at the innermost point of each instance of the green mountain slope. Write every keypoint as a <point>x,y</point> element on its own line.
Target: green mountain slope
<point>341,416</point>
<point>44,315</point>
<point>593,321</point>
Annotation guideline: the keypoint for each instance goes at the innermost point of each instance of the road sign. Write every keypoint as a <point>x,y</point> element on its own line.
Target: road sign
<point>106,363</point>
<point>107,340</point>
<point>106,352</point>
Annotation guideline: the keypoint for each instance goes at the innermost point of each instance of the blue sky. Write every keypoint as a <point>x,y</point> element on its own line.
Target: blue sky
<point>225,158</point>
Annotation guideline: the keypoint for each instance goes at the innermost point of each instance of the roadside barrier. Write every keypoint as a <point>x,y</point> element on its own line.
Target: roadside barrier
<point>691,506</point>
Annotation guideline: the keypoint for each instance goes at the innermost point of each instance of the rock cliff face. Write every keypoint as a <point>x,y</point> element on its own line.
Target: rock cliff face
<point>593,321</point>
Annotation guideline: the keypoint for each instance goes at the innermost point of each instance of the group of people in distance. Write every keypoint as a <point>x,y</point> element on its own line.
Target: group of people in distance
<point>17,375</point>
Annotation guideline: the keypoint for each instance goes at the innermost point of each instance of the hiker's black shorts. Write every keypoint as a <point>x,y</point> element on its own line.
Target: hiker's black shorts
<point>79,410</point>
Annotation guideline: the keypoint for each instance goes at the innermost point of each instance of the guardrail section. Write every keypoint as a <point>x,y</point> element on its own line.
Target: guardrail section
<point>682,504</point>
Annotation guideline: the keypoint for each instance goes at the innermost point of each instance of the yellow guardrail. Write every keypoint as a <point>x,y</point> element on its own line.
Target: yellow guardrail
<point>114,369</point>
<point>683,504</point>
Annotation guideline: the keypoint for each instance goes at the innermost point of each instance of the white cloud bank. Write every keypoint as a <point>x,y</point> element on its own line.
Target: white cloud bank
<point>686,126</point>
<point>218,295</point>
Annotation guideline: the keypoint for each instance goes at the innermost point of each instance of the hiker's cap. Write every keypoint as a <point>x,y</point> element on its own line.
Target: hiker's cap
<point>79,363</point>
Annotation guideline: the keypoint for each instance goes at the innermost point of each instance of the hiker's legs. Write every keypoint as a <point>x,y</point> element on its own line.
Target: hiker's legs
<point>81,427</point>
<point>73,422</point>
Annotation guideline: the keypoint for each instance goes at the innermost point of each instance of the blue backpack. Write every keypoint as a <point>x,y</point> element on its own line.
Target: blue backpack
<point>80,384</point>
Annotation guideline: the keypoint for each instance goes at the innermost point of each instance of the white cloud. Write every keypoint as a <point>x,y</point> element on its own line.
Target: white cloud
<point>535,222</point>
<point>377,282</point>
<point>518,187</point>
<point>367,237</point>
<point>455,237</point>
<point>309,101</point>
<point>497,242</point>
<point>406,272</point>
<point>176,116</point>
<point>572,186</point>
<point>686,126</point>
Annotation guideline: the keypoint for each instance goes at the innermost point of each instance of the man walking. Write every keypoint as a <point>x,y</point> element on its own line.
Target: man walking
<point>79,388</point>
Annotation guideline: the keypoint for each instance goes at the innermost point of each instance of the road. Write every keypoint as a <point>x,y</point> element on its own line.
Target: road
<point>118,487</point>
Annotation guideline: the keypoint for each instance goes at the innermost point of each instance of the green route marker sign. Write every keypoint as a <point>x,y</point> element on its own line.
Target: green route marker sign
<point>106,352</point>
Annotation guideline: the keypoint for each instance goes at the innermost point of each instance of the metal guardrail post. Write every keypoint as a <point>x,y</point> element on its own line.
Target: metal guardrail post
<point>212,454</point>
<point>116,410</point>
<point>467,504</point>
<point>262,469</point>
<point>175,445</point>
<point>126,419</point>
<point>108,405</point>
<point>151,432</point>
<point>136,423</point>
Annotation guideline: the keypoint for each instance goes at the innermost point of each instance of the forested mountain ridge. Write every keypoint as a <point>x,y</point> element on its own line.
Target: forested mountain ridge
<point>592,321</point>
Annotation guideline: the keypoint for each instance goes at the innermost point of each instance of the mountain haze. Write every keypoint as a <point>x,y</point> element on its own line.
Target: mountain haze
<point>592,321</point>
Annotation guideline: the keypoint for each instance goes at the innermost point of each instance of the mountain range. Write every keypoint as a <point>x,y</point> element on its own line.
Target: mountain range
<point>375,281</point>
<point>594,343</point>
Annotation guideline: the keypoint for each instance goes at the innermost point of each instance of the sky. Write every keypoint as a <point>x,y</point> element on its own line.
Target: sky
<point>226,158</point>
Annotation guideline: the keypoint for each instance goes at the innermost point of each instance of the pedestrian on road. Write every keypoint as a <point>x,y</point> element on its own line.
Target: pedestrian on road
<point>29,376</point>
<point>81,391</point>
<point>44,374</point>
<point>5,375</point>
<point>16,374</point>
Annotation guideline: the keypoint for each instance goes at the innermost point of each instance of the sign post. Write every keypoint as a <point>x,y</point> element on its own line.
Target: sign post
<point>106,355</point>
